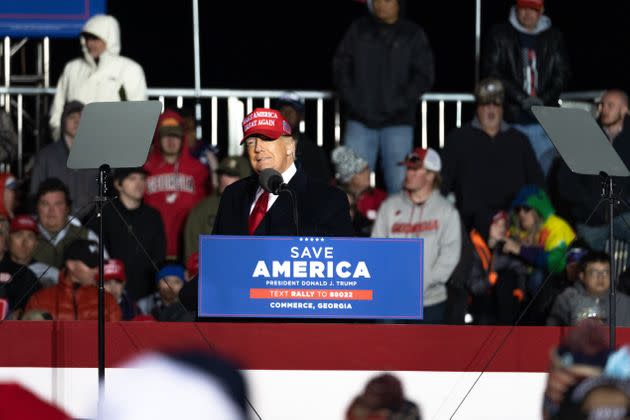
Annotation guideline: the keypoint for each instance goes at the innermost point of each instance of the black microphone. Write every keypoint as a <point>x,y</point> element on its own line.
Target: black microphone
<point>271,181</point>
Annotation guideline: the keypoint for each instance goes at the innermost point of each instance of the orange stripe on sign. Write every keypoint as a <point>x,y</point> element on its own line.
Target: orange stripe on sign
<point>310,294</point>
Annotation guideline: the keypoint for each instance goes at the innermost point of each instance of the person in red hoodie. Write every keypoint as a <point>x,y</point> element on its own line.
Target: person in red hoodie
<point>176,181</point>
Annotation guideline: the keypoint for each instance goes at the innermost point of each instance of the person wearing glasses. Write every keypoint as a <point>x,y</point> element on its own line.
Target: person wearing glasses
<point>588,298</point>
<point>487,161</point>
<point>540,238</point>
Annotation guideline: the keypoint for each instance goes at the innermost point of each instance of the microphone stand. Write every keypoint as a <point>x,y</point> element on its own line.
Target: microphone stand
<point>103,176</point>
<point>285,187</point>
<point>608,194</point>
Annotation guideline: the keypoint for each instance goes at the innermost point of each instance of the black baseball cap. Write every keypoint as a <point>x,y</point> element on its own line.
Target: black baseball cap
<point>121,173</point>
<point>83,250</point>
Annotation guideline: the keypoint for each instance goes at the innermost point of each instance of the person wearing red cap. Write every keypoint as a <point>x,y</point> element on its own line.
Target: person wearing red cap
<point>247,209</point>
<point>17,282</point>
<point>176,181</point>
<point>420,211</point>
<point>529,56</point>
<point>114,282</point>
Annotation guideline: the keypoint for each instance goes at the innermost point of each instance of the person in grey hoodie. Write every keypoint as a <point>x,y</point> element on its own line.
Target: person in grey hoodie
<point>50,162</point>
<point>588,298</point>
<point>420,211</point>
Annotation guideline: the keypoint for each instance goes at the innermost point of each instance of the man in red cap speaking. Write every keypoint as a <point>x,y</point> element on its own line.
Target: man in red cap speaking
<point>246,208</point>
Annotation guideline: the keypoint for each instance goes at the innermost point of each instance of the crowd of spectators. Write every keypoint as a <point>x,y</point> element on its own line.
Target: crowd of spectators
<point>503,218</point>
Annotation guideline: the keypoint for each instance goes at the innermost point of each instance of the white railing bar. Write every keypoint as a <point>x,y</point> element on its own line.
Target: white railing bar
<point>320,122</point>
<point>225,93</point>
<point>425,140</point>
<point>214,118</point>
<point>20,133</point>
<point>441,124</point>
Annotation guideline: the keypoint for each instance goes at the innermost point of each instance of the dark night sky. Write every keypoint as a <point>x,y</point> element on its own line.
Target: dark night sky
<point>288,44</point>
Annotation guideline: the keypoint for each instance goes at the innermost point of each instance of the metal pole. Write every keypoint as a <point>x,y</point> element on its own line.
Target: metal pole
<point>46,98</point>
<point>7,71</point>
<point>46,62</point>
<point>20,139</point>
<point>477,39</point>
<point>103,173</point>
<point>612,315</point>
<point>199,131</point>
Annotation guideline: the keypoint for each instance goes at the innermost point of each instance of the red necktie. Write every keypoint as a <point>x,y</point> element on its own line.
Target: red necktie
<point>260,208</point>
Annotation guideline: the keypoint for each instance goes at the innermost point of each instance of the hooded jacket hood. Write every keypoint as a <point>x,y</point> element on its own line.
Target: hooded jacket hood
<point>106,28</point>
<point>544,23</point>
<point>156,154</point>
<point>535,197</point>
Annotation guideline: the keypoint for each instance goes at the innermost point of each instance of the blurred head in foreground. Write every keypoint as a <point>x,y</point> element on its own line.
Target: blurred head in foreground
<point>181,385</point>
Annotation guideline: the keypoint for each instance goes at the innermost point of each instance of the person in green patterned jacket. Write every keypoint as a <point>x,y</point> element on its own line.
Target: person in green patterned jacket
<point>538,236</point>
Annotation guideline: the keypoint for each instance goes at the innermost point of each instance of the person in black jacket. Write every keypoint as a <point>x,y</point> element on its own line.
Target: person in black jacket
<point>529,56</point>
<point>486,162</point>
<point>580,194</point>
<point>382,66</point>
<point>247,209</point>
<point>129,225</point>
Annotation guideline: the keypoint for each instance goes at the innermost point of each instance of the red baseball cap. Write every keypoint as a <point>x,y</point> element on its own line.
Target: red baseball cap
<point>531,4</point>
<point>192,265</point>
<point>23,222</point>
<point>266,122</point>
<point>114,270</point>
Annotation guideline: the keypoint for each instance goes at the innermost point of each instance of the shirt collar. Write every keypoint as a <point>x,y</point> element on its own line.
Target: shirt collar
<point>288,174</point>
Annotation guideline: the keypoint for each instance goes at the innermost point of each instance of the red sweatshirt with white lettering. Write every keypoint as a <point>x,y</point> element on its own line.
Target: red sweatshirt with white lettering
<point>173,188</point>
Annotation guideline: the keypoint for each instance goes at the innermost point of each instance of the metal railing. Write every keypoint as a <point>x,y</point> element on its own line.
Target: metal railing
<point>240,102</point>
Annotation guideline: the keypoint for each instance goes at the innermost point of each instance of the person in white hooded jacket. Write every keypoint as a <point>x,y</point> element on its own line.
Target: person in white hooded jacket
<point>101,75</point>
<point>420,211</point>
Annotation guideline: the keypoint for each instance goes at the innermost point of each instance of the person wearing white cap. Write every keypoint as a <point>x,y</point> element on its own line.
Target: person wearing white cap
<point>420,211</point>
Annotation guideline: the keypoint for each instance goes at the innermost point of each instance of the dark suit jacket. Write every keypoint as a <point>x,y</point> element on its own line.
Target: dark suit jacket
<point>322,210</point>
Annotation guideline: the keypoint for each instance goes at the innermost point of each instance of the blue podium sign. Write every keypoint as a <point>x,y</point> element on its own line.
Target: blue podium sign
<point>293,277</point>
<point>39,18</point>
